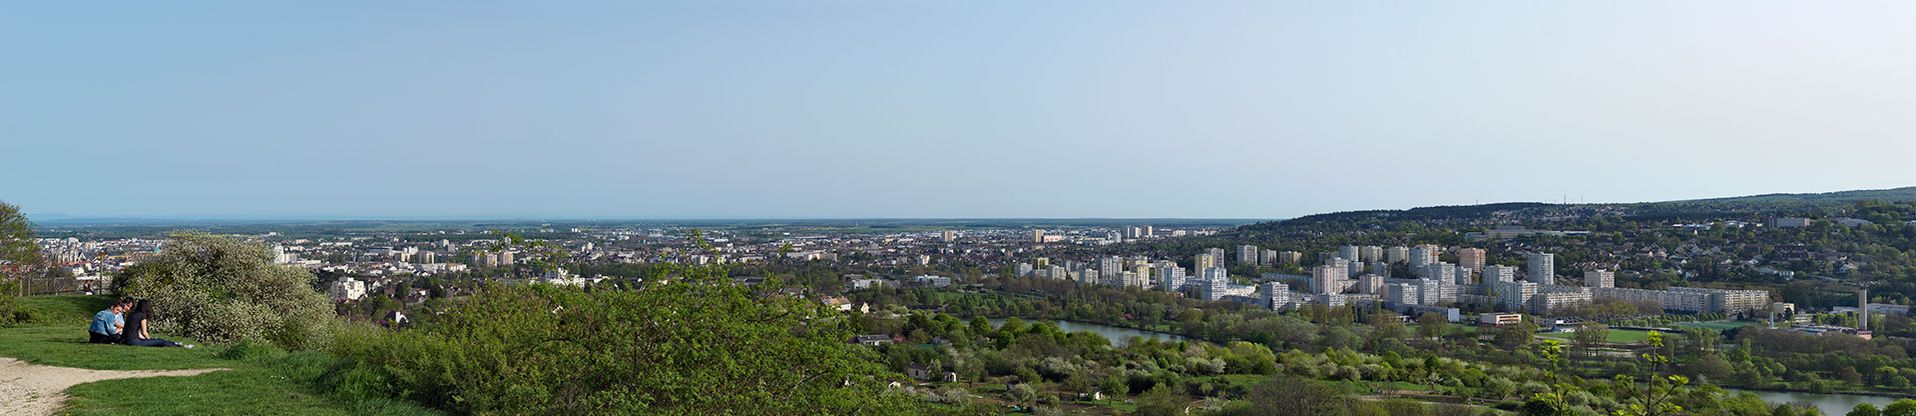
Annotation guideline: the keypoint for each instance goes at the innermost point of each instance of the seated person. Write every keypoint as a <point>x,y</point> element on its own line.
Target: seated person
<point>136,323</point>
<point>108,324</point>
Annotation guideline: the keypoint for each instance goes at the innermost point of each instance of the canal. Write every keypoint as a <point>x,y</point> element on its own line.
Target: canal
<point>1830,404</point>
<point>1119,336</point>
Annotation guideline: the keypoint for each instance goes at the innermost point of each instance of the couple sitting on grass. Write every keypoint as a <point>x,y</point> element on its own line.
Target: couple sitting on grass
<point>125,323</point>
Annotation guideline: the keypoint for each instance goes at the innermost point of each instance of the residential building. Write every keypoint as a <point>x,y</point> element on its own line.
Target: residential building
<point>1326,279</point>
<point>1247,254</point>
<point>1599,278</point>
<point>1512,296</point>
<point>348,289</point>
<point>1370,284</point>
<point>1217,283</point>
<point>1204,261</point>
<point>1470,257</point>
<point>1371,254</point>
<point>1109,269</point>
<point>1499,274</point>
<point>1421,255</point>
<point>1398,254</point>
<point>1540,268</point>
<point>1170,276</point>
<point>1402,294</point>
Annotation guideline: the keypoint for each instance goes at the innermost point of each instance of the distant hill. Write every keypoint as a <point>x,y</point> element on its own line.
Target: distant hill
<point>1897,194</point>
<point>1746,207</point>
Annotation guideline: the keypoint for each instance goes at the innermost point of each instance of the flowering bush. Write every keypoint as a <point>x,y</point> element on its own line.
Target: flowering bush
<point>220,289</point>
<point>698,345</point>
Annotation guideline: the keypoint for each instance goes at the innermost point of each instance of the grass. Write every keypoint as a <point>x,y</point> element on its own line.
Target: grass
<point>1616,336</point>
<point>245,390</point>
<point>1716,325</point>
<point>269,382</point>
<point>66,346</point>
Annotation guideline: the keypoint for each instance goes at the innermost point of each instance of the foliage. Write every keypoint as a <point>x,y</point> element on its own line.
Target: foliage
<point>19,256</point>
<point>220,289</point>
<point>698,344</point>
<point>1653,395</point>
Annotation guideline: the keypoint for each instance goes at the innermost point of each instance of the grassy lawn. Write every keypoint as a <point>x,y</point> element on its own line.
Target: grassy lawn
<point>245,390</point>
<point>66,346</point>
<point>271,383</point>
<point>1616,336</point>
<point>1716,325</point>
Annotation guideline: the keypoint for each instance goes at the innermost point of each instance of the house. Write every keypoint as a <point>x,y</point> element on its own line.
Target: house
<point>918,372</point>
<point>932,281</point>
<point>1499,319</point>
<point>871,340</point>
<point>394,319</point>
<point>869,283</point>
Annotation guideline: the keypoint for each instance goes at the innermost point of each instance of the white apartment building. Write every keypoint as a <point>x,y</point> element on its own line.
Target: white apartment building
<point>1540,268</point>
<point>1599,278</point>
<point>348,289</point>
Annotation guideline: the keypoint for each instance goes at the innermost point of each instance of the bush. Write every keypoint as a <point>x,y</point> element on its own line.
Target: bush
<point>247,350</point>
<point>219,289</point>
<point>697,345</point>
<point>10,309</point>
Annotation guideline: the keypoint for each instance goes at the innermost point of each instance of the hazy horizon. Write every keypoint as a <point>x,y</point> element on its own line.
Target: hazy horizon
<point>861,110</point>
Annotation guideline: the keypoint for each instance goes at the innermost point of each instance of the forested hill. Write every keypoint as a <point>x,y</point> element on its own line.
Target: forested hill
<point>1752,208</point>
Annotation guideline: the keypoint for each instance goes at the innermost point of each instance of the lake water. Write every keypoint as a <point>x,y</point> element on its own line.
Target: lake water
<point>1118,336</point>
<point>1830,404</point>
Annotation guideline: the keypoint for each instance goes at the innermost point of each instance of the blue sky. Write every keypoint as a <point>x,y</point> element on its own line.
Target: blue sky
<point>1256,109</point>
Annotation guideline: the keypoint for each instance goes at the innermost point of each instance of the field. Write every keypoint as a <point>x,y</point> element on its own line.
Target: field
<point>1616,336</point>
<point>1715,325</point>
<point>268,382</point>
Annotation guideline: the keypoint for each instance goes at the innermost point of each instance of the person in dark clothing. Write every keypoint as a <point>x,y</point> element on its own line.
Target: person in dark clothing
<point>136,323</point>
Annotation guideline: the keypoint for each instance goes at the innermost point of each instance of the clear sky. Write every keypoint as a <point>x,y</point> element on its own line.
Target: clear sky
<point>715,109</point>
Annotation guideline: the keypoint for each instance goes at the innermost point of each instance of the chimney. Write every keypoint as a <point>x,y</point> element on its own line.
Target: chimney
<point>1862,307</point>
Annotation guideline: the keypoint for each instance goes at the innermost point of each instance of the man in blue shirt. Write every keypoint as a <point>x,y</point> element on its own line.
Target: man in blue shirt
<point>107,323</point>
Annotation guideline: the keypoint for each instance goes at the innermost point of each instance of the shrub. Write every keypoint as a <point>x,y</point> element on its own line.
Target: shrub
<point>10,310</point>
<point>697,345</point>
<point>219,289</point>
<point>247,350</point>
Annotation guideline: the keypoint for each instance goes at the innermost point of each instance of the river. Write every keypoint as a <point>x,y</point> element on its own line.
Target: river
<point>1830,404</point>
<point>1119,336</point>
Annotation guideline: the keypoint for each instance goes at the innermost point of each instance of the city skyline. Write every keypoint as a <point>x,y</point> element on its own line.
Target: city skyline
<point>721,110</point>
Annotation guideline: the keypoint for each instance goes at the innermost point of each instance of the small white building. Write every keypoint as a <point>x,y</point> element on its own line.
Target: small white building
<point>348,289</point>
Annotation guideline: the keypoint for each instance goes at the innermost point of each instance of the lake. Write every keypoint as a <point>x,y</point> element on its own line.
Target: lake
<point>1830,404</point>
<point>1118,336</point>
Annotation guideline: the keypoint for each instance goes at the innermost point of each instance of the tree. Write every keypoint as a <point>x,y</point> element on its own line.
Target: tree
<point>1864,409</point>
<point>1159,401</point>
<point>219,289</point>
<point>697,344</point>
<point>1284,396</point>
<point>1654,395</point>
<point>1900,407</point>
<point>1431,325</point>
<point>1556,401</point>
<point>1589,336</point>
<point>1849,375</point>
<point>18,257</point>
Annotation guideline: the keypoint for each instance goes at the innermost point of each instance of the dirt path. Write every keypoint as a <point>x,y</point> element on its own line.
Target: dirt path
<point>31,389</point>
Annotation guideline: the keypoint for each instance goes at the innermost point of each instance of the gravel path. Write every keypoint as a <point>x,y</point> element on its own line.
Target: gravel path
<point>32,389</point>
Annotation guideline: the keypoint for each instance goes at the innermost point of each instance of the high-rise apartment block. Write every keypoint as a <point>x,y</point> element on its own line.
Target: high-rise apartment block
<point>1599,278</point>
<point>1470,257</point>
<point>1247,254</point>
<point>1540,268</point>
